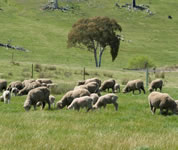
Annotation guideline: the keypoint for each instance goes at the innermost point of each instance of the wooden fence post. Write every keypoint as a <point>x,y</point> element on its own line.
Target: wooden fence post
<point>32,70</point>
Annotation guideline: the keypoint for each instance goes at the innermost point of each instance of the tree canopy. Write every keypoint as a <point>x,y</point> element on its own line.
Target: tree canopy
<point>96,34</point>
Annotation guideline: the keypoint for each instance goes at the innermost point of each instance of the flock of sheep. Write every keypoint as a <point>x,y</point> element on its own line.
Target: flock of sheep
<point>87,94</point>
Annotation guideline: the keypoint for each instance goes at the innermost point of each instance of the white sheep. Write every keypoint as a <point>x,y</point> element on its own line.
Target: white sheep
<point>95,97</point>
<point>155,84</point>
<point>81,102</point>
<point>6,96</point>
<point>116,87</point>
<point>107,99</point>
<point>14,91</point>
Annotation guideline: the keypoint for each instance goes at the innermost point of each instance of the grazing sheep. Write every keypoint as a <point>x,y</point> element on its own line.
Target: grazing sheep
<point>29,87</point>
<point>107,85</point>
<point>81,102</point>
<point>6,96</point>
<point>162,101</point>
<point>117,88</point>
<point>90,80</point>
<point>155,84</point>
<point>35,95</point>
<point>45,81</point>
<point>134,85</point>
<point>3,85</point>
<point>15,84</point>
<point>14,91</point>
<point>95,97</point>
<point>51,100</point>
<point>107,99</point>
<point>26,82</point>
<point>70,96</point>
<point>92,87</point>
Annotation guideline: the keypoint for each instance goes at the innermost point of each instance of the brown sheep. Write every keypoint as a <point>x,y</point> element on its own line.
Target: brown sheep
<point>155,84</point>
<point>15,84</point>
<point>29,87</point>
<point>70,96</point>
<point>81,102</point>
<point>134,85</point>
<point>3,85</point>
<point>35,95</point>
<point>161,101</point>
<point>107,99</point>
<point>51,100</point>
<point>107,85</point>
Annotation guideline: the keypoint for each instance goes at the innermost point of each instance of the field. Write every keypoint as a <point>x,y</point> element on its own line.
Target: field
<point>44,33</point>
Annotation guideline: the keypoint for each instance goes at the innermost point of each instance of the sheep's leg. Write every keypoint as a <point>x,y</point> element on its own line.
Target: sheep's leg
<point>116,106</point>
<point>133,91</point>
<point>113,90</point>
<point>43,105</point>
<point>49,105</point>
<point>160,89</point>
<point>161,111</point>
<point>154,110</point>
<point>104,106</point>
<point>139,91</point>
<point>143,89</point>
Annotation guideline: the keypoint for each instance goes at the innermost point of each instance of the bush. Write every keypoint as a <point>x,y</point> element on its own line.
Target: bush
<point>124,81</point>
<point>139,62</point>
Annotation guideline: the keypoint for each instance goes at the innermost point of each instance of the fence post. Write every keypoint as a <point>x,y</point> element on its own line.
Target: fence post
<point>32,70</point>
<point>12,57</point>
<point>84,73</point>
<point>147,75</point>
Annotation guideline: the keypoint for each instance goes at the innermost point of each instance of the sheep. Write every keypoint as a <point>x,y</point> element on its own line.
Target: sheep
<point>14,91</point>
<point>117,87</point>
<point>51,100</point>
<point>15,84</point>
<point>107,85</point>
<point>70,96</point>
<point>92,87</point>
<point>134,85</point>
<point>46,81</point>
<point>35,95</point>
<point>161,101</point>
<point>26,82</point>
<point>94,97</point>
<point>107,99</point>
<point>29,87</point>
<point>155,84</point>
<point>3,85</point>
<point>90,80</point>
<point>81,102</point>
<point>6,96</point>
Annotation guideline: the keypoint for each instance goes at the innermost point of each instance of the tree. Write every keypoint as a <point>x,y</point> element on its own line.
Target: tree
<point>134,3</point>
<point>96,34</point>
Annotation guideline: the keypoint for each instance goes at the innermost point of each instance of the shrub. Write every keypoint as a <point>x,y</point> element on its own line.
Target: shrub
<point>139,62</point>
<point>38,68</point>
<point>124,81</point>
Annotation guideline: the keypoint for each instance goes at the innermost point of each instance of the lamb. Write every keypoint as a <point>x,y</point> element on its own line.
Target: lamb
<point>51,100</point>
<point>81,102</point>
<point>107,85</point>
<point>134,85</point>
<point>90,80</point>
<point>29,87</point>
<point>15,84</point>
<point>6,96</point>
<point>155,84</point>
<point>35,95</point>
<point>70,96</point>
<point>162,101</point>
<point>14,91</point>
<point>3,85</point>
<point>107,99</point>
<point>92,87</point>
<point>117,88</point>
<point>94,97</point>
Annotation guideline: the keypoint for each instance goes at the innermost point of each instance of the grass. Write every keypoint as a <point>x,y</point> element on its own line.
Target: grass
<point>132,127</point>
<point>44,33</point>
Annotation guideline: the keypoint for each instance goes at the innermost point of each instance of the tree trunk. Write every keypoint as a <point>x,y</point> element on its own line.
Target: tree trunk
<point>100,55</point>
<point>95,56</point>
<point>134,3</point>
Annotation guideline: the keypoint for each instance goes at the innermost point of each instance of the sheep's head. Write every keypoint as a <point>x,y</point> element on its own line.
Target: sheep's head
<point>27,107</point>
<point>125,90</point>
<point>150,90</point>
<point>59,105</point>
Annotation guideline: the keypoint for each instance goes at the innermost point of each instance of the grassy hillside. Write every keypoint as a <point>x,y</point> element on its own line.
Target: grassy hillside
<point>44,33</point>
